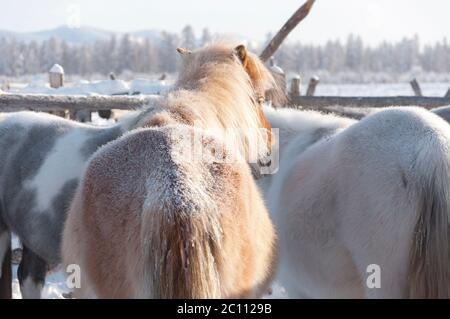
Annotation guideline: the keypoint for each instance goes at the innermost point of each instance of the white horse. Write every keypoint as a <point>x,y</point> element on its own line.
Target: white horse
<point>362,201</point>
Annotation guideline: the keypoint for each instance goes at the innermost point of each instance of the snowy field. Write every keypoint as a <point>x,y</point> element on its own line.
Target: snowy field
<point>85,87</point>
<point>40,84</point>
<point>404,89</point>
<point>55,285</point>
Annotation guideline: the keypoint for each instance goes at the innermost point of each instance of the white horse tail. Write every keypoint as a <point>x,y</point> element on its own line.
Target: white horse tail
<point>429,270</point>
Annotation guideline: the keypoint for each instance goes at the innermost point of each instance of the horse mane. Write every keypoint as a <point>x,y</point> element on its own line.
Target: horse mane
<point>219,88</point>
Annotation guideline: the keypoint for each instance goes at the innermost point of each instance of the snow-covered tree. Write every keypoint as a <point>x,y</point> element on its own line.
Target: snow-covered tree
<point>206,37</point>
<point>168,56</point>
<point>354,52</point>
<point>125,55</point>
<point>188,39</point>
<point>158,54</point>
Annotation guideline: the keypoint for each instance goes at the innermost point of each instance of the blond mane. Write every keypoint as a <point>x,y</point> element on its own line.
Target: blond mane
<point>219,88</point>
<point>183,228</point>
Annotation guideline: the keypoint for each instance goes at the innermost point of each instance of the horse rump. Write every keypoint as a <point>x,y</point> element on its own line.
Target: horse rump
<point>159,224</point>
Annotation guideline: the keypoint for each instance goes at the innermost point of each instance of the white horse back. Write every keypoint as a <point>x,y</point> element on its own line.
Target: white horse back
<point>350,201</point>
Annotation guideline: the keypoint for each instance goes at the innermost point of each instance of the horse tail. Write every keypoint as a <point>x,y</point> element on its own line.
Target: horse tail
<point>429,269</point>
<point>206,233</point>
<point>184,251</point>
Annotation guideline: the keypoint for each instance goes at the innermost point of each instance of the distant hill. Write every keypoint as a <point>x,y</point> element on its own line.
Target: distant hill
<point>75,35</point>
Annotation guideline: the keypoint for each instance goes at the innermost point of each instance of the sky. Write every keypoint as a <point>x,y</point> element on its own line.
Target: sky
<point>374,20</point>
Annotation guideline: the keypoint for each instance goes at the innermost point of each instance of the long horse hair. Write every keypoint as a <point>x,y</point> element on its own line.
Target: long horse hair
<point>219,88</point>
<point>189,229</point>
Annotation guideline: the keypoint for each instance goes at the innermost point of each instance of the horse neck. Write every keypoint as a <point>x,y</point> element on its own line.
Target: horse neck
<point>223,103</point>
<point>224,99</point>
<point>217,102</point>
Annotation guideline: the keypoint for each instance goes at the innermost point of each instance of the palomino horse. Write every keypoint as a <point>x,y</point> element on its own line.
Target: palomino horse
<point>355,198</point>
<point>150,221</point>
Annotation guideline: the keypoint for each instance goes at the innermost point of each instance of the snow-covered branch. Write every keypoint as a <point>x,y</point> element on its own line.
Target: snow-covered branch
<point>296,18</point>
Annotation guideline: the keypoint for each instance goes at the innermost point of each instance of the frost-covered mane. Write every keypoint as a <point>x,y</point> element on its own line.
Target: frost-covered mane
<point>219,88</point>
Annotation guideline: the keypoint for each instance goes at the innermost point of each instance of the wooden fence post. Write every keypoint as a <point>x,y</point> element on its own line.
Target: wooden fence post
<point>56,76</point>
<point>312,86</point>
<point>295,88</point>
<point>56,80</point>
<point>6,279</point>
<point>107,114</point>
<point>416,87</point>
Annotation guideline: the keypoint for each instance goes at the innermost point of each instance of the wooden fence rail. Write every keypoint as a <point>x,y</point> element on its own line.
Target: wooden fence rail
<point>317,102</point>
<point>46,103</point>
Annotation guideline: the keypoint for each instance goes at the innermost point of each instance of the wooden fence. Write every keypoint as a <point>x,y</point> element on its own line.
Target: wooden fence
<point>310,101</point>
<point>53,103</point>
<point>61,103</point>
<point>318,102</point>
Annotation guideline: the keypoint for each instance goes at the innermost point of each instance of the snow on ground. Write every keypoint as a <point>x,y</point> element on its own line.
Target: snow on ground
<point>149,86</point>
<point>104,87</point>
<point>55,284</point>
<point>377,89</point>
<point>54,288</point>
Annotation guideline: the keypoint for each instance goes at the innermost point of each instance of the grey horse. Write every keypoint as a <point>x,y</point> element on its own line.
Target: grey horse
<point>42,157</point>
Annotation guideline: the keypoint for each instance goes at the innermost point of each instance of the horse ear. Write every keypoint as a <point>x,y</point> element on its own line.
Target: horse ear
<point>241,52</point>
<point>183,51</point>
